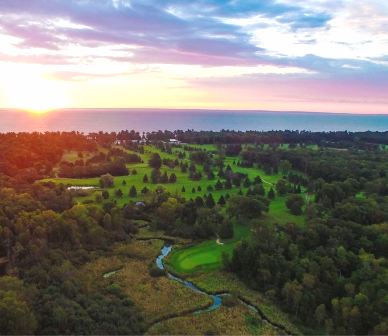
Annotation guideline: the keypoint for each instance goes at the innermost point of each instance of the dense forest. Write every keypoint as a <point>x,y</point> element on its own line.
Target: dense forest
<point>330,275</point>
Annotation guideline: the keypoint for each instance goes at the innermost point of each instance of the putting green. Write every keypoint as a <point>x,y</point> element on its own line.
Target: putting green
<point>205,256</point>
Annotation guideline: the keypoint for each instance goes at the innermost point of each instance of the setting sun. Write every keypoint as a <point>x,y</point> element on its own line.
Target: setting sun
<point>35,94</point>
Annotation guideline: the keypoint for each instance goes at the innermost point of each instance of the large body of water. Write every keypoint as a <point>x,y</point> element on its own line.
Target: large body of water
<point>88,120</point>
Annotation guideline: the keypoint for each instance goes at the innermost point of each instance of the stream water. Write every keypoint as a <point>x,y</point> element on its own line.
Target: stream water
<point>217,299</point>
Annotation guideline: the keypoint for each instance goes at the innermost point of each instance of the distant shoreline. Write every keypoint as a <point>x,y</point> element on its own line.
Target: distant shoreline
<point>145,120</point>
<point>194,110</point>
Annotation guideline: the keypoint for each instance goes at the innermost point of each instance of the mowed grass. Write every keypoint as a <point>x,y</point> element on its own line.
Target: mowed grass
<point>207,255</point>
<point>192,188</point>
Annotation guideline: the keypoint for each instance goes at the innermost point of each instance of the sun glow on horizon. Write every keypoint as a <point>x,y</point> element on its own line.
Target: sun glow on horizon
<point>31,92</point>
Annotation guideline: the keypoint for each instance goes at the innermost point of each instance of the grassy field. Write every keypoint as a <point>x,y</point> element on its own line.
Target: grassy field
<point>156,297</point>
<point>201,263</point>
<point>218,281</point>
<point>205,256</point>
<point>237,320</point>
<point>192,188</point>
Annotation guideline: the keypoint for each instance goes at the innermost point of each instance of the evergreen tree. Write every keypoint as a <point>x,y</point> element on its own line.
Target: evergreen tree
<point>258,180</point>
<point>199,201</point>
<point>210,201</point>
<point>119,193</point>
<point>145,178</point>
<point>155,161</point>
<point>124,183</point>
<point>105,194</point>
<point>155,176</point>
<point>258,189</point>
<point>193,190</point>
<point>144,190</point>
<point>247,183</point>
<point>172,178</point>
<point>183,189</point>
<point>225,230</point>
<point>199,188</point>
<point>132,192</point>
<point>221,201</point>
<point>228,184</point>
<point>210,175</point>
<point>218,185</point>
<point>271,193</point>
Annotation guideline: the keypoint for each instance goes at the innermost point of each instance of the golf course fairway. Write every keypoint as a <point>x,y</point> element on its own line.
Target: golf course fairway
<point>207,255</point>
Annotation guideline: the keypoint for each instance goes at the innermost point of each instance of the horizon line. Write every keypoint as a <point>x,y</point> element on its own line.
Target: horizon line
<point>176,109</point>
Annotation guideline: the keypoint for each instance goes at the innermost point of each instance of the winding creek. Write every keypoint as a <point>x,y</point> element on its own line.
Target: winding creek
<point>216,298</point>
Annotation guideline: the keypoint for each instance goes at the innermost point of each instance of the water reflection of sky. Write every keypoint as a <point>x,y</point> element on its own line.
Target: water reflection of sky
<point>148,120</point>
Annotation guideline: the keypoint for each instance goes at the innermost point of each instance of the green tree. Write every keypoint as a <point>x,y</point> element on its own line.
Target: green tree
<point>199,201</point>
<point>228,184</point>
<point>155,176</point>
<point>107,221</point>
<point>155,161</point>
<point>320,314</point>
<point>285,166</point>
<point>106,181</point>
<point>210,201</point>
<point>218,185</point>
<point>133,192</point>
<point>295,204</point>
<point>105,194</point>
<point>172,178</point>
<point>16,316</point>
<point>221,201</point>
<point>225,229</point>
<point>246,207</point>
<point>282,187</point>
<point>271,193</point>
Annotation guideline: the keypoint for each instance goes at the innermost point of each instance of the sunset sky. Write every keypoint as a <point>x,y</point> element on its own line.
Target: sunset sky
<point>300,55</point>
